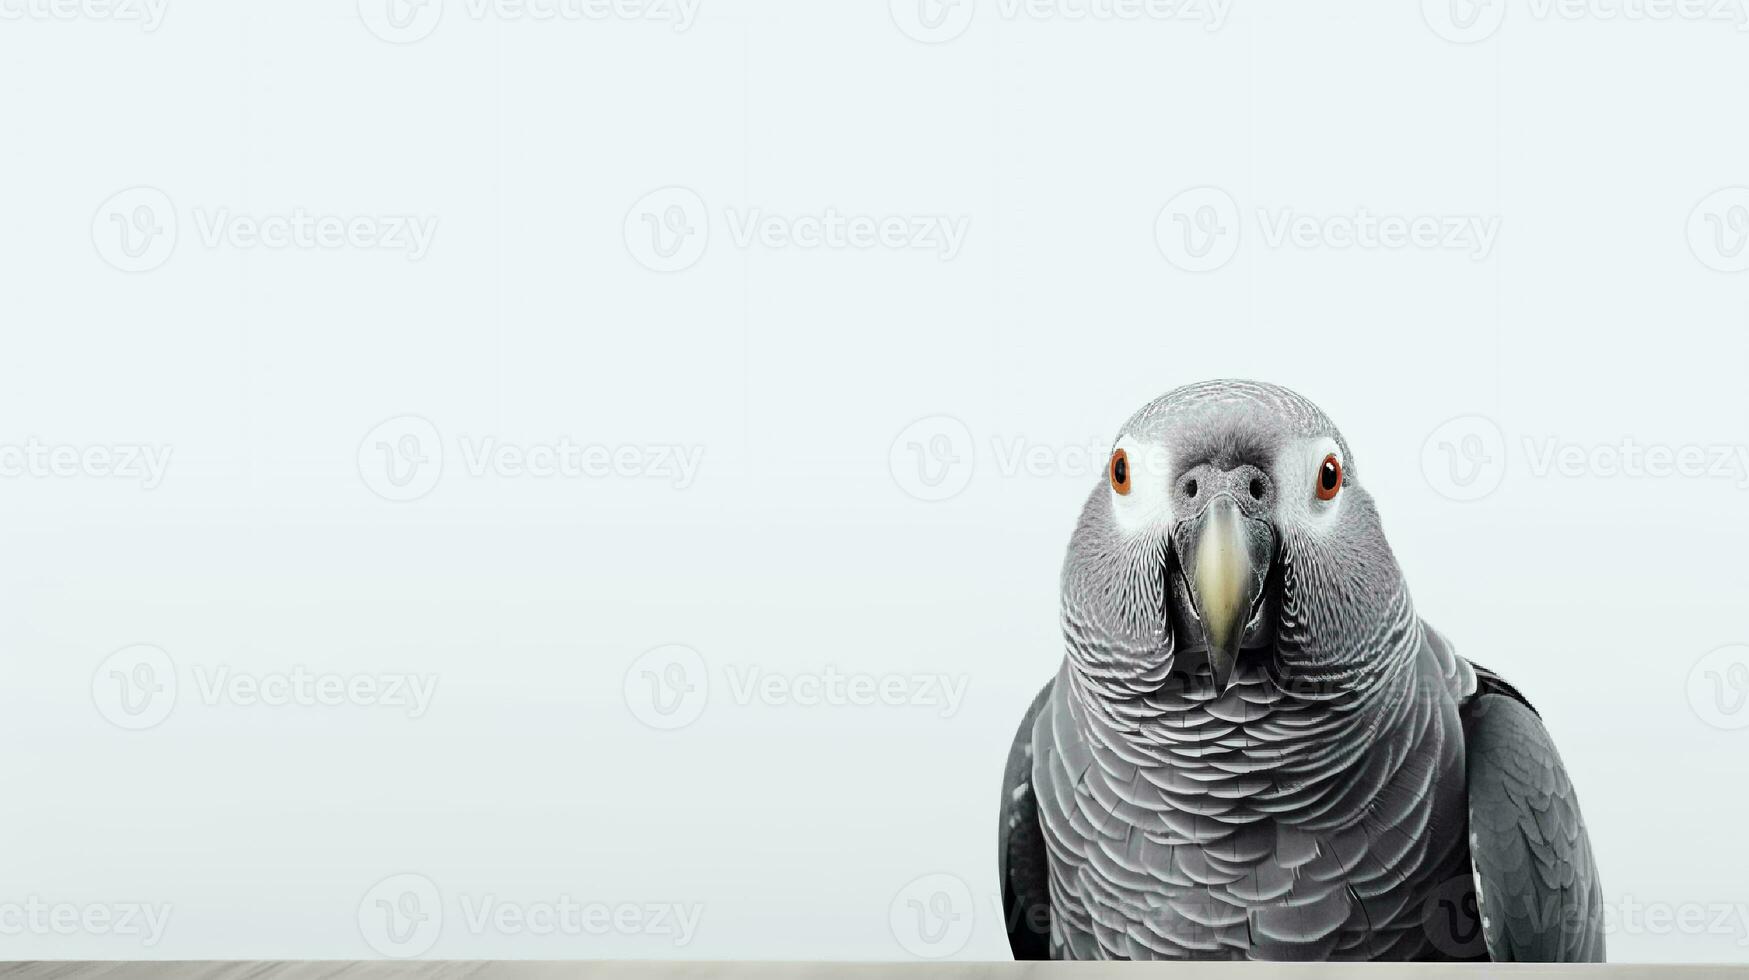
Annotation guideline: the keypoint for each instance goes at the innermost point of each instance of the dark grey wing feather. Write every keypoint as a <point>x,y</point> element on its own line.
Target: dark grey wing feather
<point>1537,888</point>
<point>1026,890</point>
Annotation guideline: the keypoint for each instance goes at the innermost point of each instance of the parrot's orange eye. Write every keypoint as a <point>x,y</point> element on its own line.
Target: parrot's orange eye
<point>1329,477</point>
<point>1120,471</point>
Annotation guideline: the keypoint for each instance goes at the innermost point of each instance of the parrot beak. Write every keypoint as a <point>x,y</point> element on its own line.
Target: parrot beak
<point>1226,559</point>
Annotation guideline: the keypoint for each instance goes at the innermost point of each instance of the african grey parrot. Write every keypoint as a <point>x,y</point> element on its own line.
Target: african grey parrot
<point>1254,748</point>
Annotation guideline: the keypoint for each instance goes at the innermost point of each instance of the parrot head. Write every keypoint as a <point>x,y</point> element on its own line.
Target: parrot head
<point>1231,536</point>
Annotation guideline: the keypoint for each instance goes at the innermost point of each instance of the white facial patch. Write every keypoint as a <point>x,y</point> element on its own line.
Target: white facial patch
<point>1148,505</point>
<point>1297,472</point>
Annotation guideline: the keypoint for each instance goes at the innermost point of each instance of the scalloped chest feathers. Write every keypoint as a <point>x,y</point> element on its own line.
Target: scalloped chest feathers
<point>1250,827</point>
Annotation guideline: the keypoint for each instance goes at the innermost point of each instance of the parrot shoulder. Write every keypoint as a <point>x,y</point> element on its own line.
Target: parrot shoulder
<point>1458,674</point>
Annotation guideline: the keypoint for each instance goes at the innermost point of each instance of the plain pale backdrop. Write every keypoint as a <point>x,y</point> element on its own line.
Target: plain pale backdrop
<point>802,546</point>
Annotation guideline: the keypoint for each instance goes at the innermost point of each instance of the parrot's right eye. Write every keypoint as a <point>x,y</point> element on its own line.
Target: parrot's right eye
<point>1329,477</point>
<point>1120,471</point>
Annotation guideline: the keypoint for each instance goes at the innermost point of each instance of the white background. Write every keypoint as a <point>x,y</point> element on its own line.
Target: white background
<point>1605,310</point>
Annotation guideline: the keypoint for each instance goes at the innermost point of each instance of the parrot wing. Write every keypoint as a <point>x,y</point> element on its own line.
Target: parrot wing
<point>1026,894</point>
<point>1536,883</point>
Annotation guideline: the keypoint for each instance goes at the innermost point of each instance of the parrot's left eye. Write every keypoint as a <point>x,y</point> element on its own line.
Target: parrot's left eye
<point>1120,472</point>
<point>1329,477</point>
